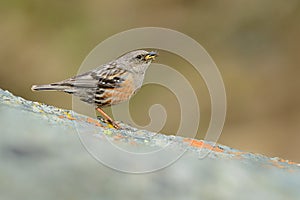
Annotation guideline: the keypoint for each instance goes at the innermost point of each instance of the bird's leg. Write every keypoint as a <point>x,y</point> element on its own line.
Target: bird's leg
<point>108,119</point>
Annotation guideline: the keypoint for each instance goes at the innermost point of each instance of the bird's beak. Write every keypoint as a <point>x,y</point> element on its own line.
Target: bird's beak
<point>151,56</point>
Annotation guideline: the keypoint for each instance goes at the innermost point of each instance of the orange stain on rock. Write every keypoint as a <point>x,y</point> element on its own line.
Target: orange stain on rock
<point>276,164</point>
<point>239,153</point>
<point>292,163</point>
<point>117,137</point>
<point>288,161</point>
<point>93,121</point>
<point>67,116</point>
<point>90,120</point>
<point>201,144</point>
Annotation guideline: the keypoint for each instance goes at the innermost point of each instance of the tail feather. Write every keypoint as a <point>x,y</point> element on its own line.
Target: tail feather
<point>49,87</point>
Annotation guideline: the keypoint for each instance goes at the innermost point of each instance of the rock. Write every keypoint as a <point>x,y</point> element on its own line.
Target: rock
<point>43,157</point>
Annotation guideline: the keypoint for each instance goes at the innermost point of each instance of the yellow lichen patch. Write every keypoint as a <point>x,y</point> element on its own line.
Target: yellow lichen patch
<point>69,116</point>
<point>107,132</point>
<point>35,108</point>
<point>110,126</point>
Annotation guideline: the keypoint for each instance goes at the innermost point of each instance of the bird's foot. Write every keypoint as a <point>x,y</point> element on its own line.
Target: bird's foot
<point>109,122</point>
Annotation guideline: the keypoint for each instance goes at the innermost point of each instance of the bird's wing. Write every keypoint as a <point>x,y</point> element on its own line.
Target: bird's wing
<point>106,76</point>
<point>110,77</point>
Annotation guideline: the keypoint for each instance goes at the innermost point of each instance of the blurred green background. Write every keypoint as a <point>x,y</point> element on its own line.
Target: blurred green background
<point>255,44</point>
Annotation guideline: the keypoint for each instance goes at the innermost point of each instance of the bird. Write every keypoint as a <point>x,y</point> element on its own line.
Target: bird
<point>109,84</point>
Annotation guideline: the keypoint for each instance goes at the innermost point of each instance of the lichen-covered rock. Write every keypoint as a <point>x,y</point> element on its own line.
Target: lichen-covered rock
<point>42,157</point>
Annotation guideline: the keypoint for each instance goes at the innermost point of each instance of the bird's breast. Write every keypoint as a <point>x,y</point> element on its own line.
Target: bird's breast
<point>123,92</point>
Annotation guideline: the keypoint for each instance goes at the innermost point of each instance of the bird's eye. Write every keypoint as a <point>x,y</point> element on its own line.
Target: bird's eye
<point>138,56</point>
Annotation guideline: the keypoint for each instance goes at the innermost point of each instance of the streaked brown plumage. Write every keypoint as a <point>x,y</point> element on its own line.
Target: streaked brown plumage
<point>109,84</point>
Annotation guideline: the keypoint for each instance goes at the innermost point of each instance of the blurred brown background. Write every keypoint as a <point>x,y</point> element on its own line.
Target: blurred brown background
<point>255,44</point>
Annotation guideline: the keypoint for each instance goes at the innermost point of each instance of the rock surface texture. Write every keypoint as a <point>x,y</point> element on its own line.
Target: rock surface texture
<point>50,153</point>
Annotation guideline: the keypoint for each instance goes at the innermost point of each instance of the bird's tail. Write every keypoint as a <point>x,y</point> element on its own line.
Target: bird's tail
<point>49,87</point>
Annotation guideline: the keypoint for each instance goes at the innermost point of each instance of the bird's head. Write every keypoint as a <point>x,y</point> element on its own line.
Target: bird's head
<point>138,60</point>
